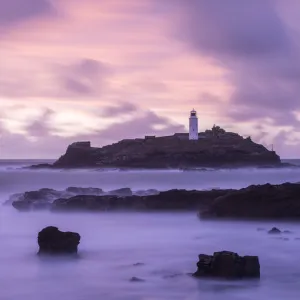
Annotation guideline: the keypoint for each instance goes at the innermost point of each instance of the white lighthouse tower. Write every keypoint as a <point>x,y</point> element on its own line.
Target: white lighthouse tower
<point>193,132</point>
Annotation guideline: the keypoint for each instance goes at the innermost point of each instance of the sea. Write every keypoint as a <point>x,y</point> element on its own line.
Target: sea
<point>159,249</point>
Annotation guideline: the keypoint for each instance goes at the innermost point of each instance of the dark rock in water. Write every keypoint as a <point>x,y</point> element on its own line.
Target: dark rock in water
<point>22,205</point>
<point>53,241</point>
<point>257,202</point>
<point>40,166</point>
<point>274,230</point>
<point>228,265</point>
<point>254,202</point>
<point>14,197</point>
<point>136,279</point>
<point>85,191</point>
<point>287,231</point>
<point>123,192</point>
<point>35,200</point>
<point>170,200</point>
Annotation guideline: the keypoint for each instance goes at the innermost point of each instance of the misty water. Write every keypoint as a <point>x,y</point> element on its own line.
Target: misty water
<point>159,248</point>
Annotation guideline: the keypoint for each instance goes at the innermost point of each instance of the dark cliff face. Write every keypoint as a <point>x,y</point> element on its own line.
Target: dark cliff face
<point>170,152</point>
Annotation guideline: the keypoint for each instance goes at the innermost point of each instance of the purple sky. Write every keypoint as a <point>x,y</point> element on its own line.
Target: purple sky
<point>103,70</point>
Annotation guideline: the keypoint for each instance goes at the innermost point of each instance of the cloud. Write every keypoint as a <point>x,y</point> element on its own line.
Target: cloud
<point>15,11</point>
<point>85,77</point>
<point>79,78</point>
<point>40,127</point>
<point>121,109</point>
<point>251,41</point>
<point>148,123</point>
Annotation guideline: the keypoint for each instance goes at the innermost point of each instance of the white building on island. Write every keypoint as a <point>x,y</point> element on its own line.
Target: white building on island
<point>193,131</point>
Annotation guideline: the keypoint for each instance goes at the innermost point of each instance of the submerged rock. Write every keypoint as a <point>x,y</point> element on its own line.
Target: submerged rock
<point>53,241</point>
<point>227,265</point>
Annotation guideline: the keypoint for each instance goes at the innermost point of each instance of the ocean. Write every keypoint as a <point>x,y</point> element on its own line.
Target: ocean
<point>159,248</point>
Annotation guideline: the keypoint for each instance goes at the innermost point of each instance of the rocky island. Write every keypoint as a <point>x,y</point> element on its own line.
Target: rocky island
<point>213,148</point>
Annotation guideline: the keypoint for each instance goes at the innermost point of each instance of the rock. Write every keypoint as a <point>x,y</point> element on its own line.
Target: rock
<point>173,200</point>
<point>257,202</point>
<point>176,151</point>
<point>274,230</point>
<point>136,279</point>
<point>85,191</point>
<point>14,197</point>
<point>266,202</point>
<point>287,231</point>
<point>53,241</point>
<point>22,205</point>
<point>228,265</point>
<point>42,199</point>
<point>34,200</point>
<point>123,192</point>
<point>40,166</point>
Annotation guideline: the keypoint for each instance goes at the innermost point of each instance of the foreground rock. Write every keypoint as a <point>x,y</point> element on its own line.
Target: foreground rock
<point>257,202</point>
<point>213,149</point>
<point>227,265</point>
<point>53,241</point>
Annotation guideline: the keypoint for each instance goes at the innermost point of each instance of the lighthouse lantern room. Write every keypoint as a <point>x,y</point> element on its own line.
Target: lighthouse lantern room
<point>193,131</point>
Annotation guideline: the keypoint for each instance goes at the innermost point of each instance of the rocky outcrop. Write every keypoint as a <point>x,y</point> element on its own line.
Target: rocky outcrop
<point>43,198</point>
<point>84,191</point>
<point>40,199</point>
<point>53,241</point>
<point>211,150</point>
<point>254,202</point>
<point>227,265</point>
<point>124,192</point>
<point>173,200</point>
<point>258,202</point>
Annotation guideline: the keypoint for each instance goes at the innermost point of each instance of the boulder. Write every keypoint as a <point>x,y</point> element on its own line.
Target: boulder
<point>53,241</point>
<point>227,265</point>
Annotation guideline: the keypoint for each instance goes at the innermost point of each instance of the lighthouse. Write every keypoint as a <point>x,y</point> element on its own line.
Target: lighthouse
<point>193,132</point>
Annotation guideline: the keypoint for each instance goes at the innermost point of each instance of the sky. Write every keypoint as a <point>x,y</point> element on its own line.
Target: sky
<point>104,70</point>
